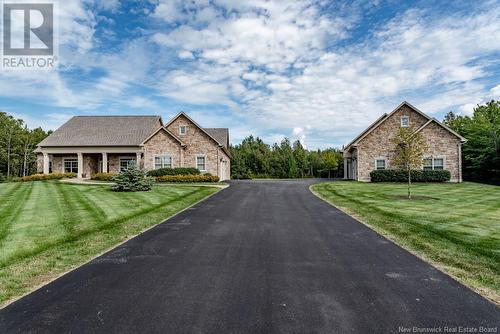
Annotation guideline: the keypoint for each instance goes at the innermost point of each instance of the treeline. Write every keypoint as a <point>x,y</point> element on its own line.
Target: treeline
<point>481,152</point>
<point>255,159</point>
<point>17,143</point>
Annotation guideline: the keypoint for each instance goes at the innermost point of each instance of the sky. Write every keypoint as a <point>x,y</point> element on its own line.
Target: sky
<point>315,71</point>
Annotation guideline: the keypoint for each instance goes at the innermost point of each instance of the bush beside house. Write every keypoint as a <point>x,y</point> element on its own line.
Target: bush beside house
<point>401,175</point>
<point>187,178</point>
<point>132,179</point>
<point>43,177</point>
<point>174,171</point>
<point>103,176</point>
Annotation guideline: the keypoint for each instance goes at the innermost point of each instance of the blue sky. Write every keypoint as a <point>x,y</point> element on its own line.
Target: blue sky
<point>317,71</point>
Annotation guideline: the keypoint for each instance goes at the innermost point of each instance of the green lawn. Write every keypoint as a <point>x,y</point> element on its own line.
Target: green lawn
<point>454,226</point>
<point>47,228</point>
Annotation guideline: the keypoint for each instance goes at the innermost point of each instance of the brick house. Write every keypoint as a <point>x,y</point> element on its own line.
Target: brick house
<point>90,144</point>
<point>373,148</point>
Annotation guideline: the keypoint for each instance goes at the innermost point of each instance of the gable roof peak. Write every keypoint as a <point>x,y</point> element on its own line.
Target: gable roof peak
<point>385,116</point>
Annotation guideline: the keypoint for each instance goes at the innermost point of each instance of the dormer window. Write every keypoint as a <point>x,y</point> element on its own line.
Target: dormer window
<point>182,130</point>
<point>405,121</point>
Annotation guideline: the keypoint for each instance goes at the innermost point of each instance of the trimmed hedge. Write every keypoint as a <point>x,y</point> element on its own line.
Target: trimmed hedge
<point>103,176</point>
<point>187,178</point>
<point>400,175</point>
<point>43,177</point>
<point>174,171</point>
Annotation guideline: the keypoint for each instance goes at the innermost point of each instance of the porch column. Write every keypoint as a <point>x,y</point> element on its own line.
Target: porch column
<point>345,169</point>
<point>45,163</point>
<point>104,167</point>
<point>138,159</point>
<point>80,165</point>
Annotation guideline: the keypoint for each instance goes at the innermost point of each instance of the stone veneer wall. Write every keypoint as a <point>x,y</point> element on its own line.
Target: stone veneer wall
<point>161,144</point>
<point>378,143</point>
<point>441,142</point>
<point>198,143</point>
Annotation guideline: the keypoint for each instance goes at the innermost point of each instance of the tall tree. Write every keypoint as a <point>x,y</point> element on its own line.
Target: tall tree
<point>481,152</point>
<point>17,143</point>
<point>300,156</point>
<point>409,150</point>
<point>329,161</point>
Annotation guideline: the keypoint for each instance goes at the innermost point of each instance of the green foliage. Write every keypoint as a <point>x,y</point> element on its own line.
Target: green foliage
<point>44,177</point>
<point>174,171</point>
<point>132,179</point>
<point>481,152</point>
<point>409,150</point>
<point>253,159</point>
<point>103,176</point>
<point>401,175</point>
<point>17,143</point>
<point>187,178</point>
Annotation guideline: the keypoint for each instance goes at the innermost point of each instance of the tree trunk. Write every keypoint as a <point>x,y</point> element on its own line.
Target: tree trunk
<point>328,173</point>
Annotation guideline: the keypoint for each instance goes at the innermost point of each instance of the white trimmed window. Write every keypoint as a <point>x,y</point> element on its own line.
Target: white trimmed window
<point>182,130</point>
<point>163,161</point>
<point>427,164</point>
<point>431,163</point>
<point>126,163</point>
<point>71,165</point>
<point>438,163</point>
<point>380,163</point>
<point>405,121</point>
<point>201,163</point>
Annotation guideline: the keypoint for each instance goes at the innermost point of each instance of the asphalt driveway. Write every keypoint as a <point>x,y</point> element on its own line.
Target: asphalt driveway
<point>258,257</point>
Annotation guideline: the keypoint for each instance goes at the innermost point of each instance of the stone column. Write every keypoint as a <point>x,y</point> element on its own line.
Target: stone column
<point>80,165</point>
<point>345,169</point>
<point>138,159</point>
<point>104,167</point>
<point>45,163</point>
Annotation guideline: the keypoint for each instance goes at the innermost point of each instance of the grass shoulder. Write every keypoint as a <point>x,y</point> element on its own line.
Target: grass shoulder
<point>48,228</point>
<point>456,227</point>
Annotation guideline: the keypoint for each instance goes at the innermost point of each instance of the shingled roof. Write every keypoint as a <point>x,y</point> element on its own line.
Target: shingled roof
<point>103,131</point>
<point>221,135</point>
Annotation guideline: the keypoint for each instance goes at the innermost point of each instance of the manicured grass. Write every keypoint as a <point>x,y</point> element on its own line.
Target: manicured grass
<point>454,226</point>
<point>48,227</point>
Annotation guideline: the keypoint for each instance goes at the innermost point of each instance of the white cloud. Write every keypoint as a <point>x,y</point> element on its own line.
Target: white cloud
<point>283,68</point>
<point>292,78</point>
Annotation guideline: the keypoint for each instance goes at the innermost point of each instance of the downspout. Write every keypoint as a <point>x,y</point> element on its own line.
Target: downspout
<point>218,163</point>
<point>459,148</point>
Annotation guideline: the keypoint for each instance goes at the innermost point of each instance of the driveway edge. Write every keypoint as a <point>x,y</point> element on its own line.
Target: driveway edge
<point>438,266</point>
<point>38,287</point>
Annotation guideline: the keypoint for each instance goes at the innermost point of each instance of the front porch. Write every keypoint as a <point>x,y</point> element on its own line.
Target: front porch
<point>86,164</point>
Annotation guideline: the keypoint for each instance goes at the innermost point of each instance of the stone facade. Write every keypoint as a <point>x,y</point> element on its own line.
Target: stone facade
<point>198,143</point>
<point>182,148</point>
<point>162,144</point>
<point>377,144</point>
